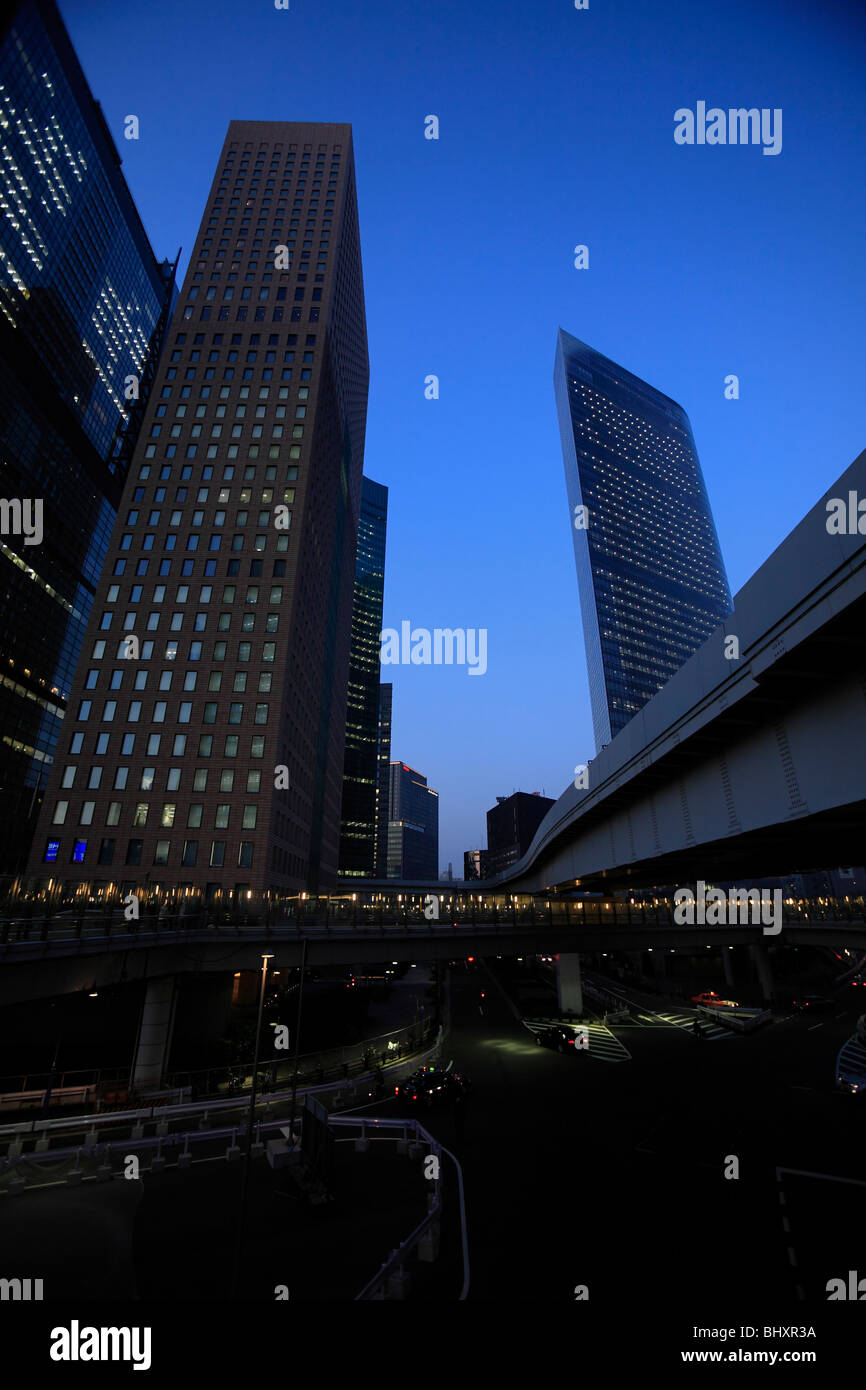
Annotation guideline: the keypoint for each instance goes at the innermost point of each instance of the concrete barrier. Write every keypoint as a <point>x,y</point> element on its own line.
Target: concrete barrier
<point>740,1020</point>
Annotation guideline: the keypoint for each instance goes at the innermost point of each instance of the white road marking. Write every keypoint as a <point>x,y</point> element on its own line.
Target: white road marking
<point>824,1177</point>
<point>715,1032</point>
<point>603,1045</point>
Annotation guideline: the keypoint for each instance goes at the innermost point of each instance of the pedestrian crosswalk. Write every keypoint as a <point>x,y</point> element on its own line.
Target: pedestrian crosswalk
<point>851,1064</point>
<point>713,1030</point>
<point>602,1044</point>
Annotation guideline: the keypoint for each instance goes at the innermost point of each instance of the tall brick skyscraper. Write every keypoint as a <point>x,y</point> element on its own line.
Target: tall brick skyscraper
<point>232,563</point>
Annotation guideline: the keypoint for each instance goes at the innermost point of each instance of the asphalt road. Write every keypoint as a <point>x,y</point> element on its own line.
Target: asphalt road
<point>602,1168</point>
<point>611,1175</point>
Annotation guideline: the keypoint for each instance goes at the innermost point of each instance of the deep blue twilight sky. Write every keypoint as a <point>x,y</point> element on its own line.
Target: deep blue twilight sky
<point>556,128</point>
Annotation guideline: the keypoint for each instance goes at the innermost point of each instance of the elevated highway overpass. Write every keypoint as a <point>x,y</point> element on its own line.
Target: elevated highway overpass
<point>44,957</point>
<point>743,766</point>
<point>749,763</point>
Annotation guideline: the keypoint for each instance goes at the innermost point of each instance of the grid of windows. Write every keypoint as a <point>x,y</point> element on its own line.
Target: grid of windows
<point>60,159</point>
<point>81,304</point>
<point>215,630</point>
<point>650,571</point>
<point>358,814</point>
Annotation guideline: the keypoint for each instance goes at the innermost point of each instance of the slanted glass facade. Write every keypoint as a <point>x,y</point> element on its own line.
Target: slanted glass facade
<point>82,302</point>
<point>650,572</point>
<point>78,279</point>
<point>358,817</point>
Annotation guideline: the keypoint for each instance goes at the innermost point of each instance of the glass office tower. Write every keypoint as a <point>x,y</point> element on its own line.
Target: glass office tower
<point>383,778</point>
<point>358,816</point>
<point>83,303</point>
<point>206,757</point>
<point>650,573</point>
<point>413,826</point>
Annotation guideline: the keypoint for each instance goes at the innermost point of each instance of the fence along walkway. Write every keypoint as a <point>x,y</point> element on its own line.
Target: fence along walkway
<point>31,925</point>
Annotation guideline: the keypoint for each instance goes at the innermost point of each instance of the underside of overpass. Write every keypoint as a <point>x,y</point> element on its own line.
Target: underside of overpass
<point>787,744</point>
<point>829,839</point>
<point>199,952</point>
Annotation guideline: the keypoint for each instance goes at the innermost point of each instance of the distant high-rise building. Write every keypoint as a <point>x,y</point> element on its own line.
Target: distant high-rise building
<point>360,768</point>
<point>650,572</point>
<point>413,826</point>
<point>203,750</point>
<point>511,825</point>
<point>383,778</point>
<point>474,863</point>
<point>83,305</point>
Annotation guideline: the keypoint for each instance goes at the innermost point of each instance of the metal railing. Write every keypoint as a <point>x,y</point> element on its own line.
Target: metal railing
<point>314,1068</point>
<point>110,1087</point>
<point>396,1262</point>
<point>97,1161</point>
<point>93,1078</point>
<point>30,922</point>
<point>167,1114</point>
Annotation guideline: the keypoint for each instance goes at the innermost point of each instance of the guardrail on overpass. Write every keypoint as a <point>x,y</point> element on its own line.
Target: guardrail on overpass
<point>96,928</point>
<point>54,957</point>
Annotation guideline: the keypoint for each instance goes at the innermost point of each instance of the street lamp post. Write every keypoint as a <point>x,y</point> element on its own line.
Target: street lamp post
<point>251,1119</point>
<point>46,1099</point>
<point>298,1037</point>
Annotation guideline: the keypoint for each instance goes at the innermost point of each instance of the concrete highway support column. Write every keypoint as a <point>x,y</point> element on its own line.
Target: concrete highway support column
<point>568,987</point>
<point>728,965</point>
<point>659,967</point>
<point>203,1008</point>
<point>761,958</point>
<point>154,1034</point>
